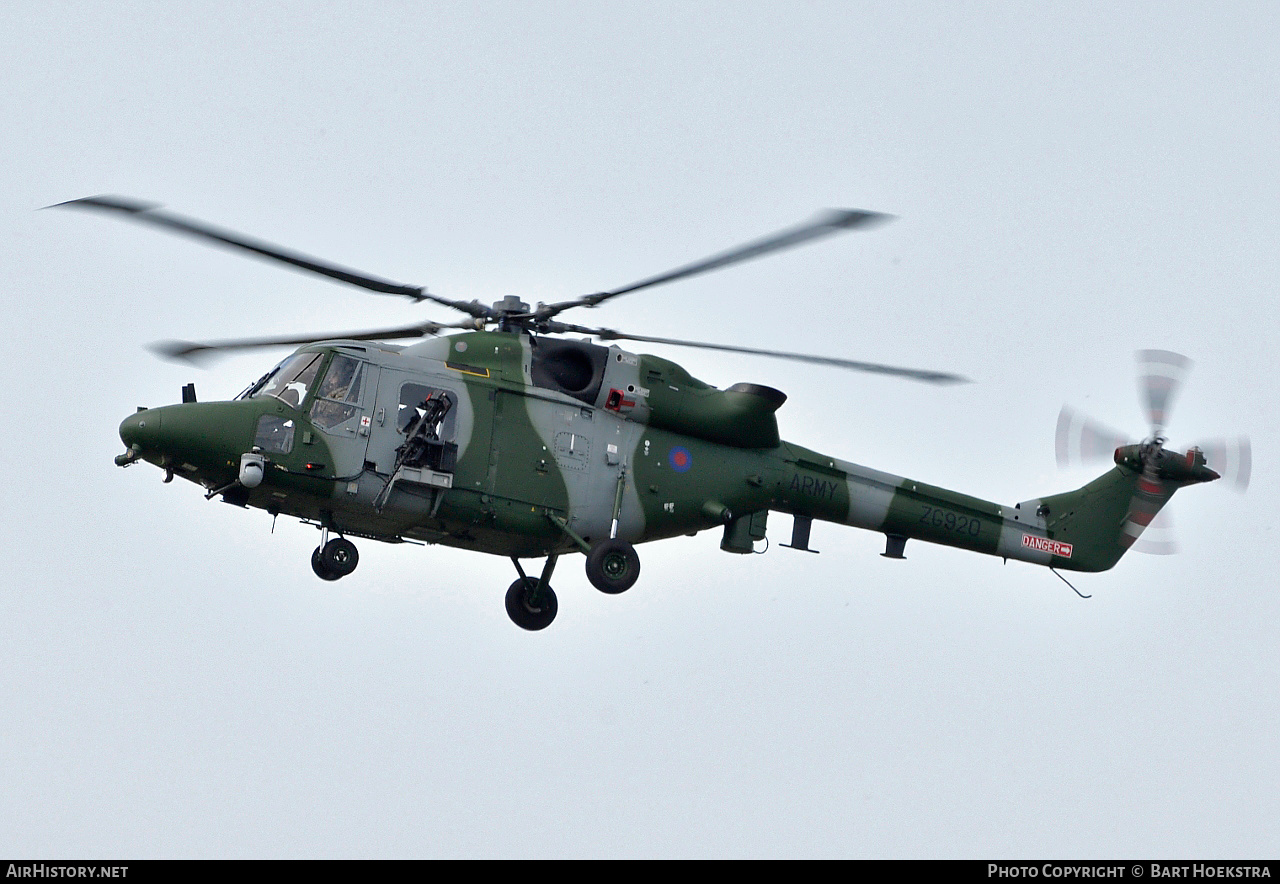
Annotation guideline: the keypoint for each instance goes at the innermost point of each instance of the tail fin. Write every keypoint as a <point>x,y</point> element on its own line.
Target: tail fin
<point>1103,519</point>
<point>1097,519</point>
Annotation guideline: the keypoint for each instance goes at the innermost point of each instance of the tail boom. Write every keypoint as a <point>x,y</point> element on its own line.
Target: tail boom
<point>1088,529</point>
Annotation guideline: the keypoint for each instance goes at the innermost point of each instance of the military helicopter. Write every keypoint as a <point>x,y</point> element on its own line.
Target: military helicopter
<point>508,439</point>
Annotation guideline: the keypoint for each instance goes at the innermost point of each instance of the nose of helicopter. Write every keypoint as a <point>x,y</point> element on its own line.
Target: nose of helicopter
<point>141,429</point>
<point>205,437</point>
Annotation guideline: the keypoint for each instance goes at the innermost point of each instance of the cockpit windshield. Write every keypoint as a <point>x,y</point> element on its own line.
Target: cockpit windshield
<point>290,380</point>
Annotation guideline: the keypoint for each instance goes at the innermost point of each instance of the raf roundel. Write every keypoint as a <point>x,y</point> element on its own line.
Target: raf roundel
<point>680,459</point>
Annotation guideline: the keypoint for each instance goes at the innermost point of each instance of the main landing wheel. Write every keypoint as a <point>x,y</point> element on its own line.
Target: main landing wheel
<point>335,559</point>
<point>529,607</point>
<point>613,566</point>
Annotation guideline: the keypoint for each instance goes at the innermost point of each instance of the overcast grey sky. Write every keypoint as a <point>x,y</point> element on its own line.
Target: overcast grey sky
<point>1073,182</point>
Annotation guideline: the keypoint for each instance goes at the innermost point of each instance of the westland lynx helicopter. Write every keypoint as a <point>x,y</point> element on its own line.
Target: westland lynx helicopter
<point>509,440</point>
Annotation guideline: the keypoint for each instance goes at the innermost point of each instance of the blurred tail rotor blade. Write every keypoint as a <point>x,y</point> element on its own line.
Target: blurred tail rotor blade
<point>1160,374</point>
<point>1081,440</point>
<point>1158,539</point>
<point>1232,459</point>
<point>1151,495</point>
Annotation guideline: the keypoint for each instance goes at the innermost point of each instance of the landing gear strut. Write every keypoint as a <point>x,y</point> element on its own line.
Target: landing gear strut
<point>531,602</point>
<point>336,558</point>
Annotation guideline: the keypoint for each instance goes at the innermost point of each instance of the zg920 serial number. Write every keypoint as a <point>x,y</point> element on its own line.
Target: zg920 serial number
<point>949,521</point>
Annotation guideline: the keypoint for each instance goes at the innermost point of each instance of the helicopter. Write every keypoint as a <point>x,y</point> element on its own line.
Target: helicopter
<point>505,437</point>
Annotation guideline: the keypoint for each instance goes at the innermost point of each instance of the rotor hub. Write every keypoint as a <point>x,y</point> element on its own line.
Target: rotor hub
<point>510,305</point>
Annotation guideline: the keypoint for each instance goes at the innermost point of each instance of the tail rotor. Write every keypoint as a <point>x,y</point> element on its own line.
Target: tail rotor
<point>1232,458</point>
<point>1160,375</point>
<point>1080,440</point>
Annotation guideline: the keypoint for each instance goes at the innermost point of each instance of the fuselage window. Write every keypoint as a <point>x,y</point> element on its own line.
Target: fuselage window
<point>428,419</point>
<point>414,400</point>
<point>338,398</point>
<point>275,434</point>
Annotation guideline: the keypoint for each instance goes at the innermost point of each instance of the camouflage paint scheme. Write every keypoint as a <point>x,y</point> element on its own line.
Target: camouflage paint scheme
<point>538,469</point>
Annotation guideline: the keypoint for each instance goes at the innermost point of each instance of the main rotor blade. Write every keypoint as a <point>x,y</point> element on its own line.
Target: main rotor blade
<point>151,213</point>
<point>188,351</point>
<point>1160,374</point>
<point>830,222</point>
<point>930,377</point>
<point>1080,439</point>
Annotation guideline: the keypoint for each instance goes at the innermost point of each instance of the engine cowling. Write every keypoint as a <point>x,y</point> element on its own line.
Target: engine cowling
<point>742,416</point>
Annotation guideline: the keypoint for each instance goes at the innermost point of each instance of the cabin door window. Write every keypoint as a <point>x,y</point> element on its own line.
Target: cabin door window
<point>427,420</point>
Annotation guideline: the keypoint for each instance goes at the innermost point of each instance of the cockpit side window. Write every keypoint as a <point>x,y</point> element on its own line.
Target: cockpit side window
<point>291,379</point>
<point>338,397</point>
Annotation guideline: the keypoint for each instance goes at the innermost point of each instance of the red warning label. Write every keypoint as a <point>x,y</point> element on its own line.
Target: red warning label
<point>1044,544</point>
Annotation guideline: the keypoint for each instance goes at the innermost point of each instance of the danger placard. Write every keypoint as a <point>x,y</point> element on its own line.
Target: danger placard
<point>1044,544</point>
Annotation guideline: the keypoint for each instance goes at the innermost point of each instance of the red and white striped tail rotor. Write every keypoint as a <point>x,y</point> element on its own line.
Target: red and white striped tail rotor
<point>1079,439</point>
<point>1231,458</point>
<point>1144,515</point>
<point>1158,538</point>
<point>1160,374</point>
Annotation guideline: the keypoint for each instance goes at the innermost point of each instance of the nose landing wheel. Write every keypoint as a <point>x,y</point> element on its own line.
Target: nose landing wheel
<point>529,606</point>
<point>337,558</point>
